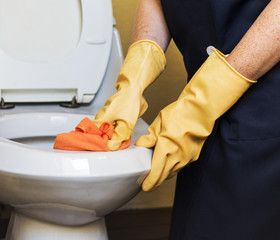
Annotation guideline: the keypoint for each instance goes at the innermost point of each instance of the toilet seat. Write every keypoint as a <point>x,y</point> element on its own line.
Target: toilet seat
<point>78,75</point>
<point>45,163</point>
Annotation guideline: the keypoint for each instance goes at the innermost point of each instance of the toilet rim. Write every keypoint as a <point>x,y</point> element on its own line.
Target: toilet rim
<point>49,163</point>
<point>39,123</point>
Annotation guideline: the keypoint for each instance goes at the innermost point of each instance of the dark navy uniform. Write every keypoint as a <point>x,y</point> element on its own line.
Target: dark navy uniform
<point>233,191</point>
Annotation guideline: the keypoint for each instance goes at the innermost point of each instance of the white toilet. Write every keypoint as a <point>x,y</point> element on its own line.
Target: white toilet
<point>51,52</point>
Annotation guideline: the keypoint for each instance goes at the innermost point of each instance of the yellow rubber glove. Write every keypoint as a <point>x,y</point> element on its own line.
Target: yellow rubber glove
<point>180,130</point>
<point>144,62</point>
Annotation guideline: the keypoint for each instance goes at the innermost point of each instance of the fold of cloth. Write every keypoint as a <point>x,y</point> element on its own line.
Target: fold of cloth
<point>88,137</point>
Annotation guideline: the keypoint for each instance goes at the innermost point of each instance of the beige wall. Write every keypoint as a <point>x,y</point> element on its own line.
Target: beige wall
<point>164,91</point>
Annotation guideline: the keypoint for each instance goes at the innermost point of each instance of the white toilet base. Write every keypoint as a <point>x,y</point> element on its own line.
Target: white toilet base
<point>25,228</point>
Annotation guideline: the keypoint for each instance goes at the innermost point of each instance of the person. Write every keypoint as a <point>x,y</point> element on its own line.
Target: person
<point>222,134</point>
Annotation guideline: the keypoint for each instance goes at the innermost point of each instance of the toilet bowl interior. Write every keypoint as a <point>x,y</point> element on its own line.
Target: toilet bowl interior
<point>38,129</point>
<point>39,142</point>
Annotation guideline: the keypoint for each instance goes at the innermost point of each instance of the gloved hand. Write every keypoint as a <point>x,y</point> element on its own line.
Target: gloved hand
<point>180,130</point>
<point>144,62</point>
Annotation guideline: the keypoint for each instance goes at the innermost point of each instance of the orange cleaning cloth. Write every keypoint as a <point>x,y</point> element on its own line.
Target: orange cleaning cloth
<point>87,136</point>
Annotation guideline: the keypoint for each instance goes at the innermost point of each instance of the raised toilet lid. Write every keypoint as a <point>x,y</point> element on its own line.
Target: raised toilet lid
<point>77,75</point>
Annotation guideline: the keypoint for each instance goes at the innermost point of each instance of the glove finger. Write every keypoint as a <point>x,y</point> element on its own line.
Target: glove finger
<point>164,164</point>
<point>153,181</point>
<point>114,145</point>
<point>147,141</point>
<point>170,170</point>
<point>98,123</point>
<point>121,133</point>
<point>158,170</point>
<point>155,127</point>
<point>171,175</point>
<point>150,140</point>
<point>177,166</point>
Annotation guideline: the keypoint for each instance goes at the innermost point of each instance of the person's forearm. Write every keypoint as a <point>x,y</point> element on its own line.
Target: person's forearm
<point>150,23</point>
<point>259,50</point>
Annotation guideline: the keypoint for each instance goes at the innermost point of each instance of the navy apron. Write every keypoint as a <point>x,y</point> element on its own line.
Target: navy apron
<point>232,192</point>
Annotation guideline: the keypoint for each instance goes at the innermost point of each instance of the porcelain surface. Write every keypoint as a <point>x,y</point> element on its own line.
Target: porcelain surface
<point>51,184</point>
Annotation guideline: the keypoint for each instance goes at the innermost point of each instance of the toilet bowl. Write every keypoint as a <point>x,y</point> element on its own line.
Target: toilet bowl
<point>58,194</point>
<point>56,189</point>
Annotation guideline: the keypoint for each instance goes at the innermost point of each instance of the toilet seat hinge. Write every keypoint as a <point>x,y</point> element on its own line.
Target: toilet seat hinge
<point>4,105</point>
<point>73,104</point>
